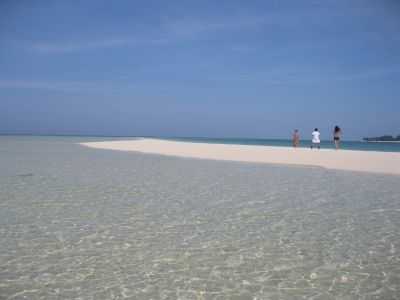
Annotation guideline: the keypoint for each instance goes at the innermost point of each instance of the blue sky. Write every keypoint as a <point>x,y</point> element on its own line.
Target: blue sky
<point>200,68</point>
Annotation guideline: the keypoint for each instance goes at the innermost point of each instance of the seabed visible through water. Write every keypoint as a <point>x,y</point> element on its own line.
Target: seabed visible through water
<point>80,223</point>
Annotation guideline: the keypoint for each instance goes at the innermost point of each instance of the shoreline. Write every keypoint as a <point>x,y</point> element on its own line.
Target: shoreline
<point>348,160</point>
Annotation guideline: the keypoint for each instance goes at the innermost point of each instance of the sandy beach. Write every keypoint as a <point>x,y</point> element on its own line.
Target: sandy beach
<point>363,161</point>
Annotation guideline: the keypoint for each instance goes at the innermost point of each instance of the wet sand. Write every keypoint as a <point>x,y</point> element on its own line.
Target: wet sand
<point>364,161</point>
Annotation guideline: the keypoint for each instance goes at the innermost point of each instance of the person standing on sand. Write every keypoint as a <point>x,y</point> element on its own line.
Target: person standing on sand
<point>316,142</point>
<point>296,138</point>
<point>337,132</point>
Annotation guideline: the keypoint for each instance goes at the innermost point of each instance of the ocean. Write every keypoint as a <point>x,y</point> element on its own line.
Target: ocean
<point>83,223</point>
<point>346,145</point>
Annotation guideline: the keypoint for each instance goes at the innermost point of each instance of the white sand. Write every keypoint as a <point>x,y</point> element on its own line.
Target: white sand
<point>365,161</point>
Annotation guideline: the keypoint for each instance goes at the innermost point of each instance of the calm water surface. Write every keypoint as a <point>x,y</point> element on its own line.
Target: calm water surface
<point>346,145</point>
<point>80,223</point>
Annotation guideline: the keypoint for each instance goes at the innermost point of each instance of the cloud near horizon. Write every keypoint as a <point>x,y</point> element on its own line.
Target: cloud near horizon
<point>277,77</point>
<point>172,30</point>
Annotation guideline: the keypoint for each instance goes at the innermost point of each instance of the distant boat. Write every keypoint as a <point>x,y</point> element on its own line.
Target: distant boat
<point>384,138</point>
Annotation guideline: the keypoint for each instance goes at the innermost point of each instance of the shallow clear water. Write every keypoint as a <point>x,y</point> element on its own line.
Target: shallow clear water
<point>80,223</point>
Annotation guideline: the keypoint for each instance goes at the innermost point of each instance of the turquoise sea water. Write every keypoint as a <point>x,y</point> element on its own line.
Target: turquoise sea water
<point>348,145</point>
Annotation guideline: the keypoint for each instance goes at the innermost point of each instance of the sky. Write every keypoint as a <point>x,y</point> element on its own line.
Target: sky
<point>255,69</point>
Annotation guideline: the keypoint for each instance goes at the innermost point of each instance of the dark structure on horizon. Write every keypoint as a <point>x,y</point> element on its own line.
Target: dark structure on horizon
<point>384,138</point>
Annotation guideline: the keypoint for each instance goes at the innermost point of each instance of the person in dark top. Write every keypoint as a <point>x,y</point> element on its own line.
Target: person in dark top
<point>337,133</point>
<point>296,138</point>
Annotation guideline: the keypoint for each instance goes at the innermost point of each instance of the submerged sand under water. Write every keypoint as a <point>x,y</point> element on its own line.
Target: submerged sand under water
<point>81,223</point>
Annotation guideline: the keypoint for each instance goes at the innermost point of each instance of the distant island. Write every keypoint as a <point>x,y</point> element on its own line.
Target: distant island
<point>384,138</point>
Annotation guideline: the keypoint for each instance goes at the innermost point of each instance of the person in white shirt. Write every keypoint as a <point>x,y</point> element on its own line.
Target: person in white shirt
<point>316,142</point>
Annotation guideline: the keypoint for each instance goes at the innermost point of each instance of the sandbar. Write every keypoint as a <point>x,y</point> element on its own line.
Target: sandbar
<point>349,160</point>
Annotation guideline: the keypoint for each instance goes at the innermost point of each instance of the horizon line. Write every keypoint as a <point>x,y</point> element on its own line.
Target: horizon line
<point>168,137</point>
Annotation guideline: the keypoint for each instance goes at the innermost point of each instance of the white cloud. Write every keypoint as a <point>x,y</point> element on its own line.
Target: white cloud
<point>91,44</point>
<point>169,31</point>
<point>189,27</point>
<point>279,75</point>
<point>65,86</point>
